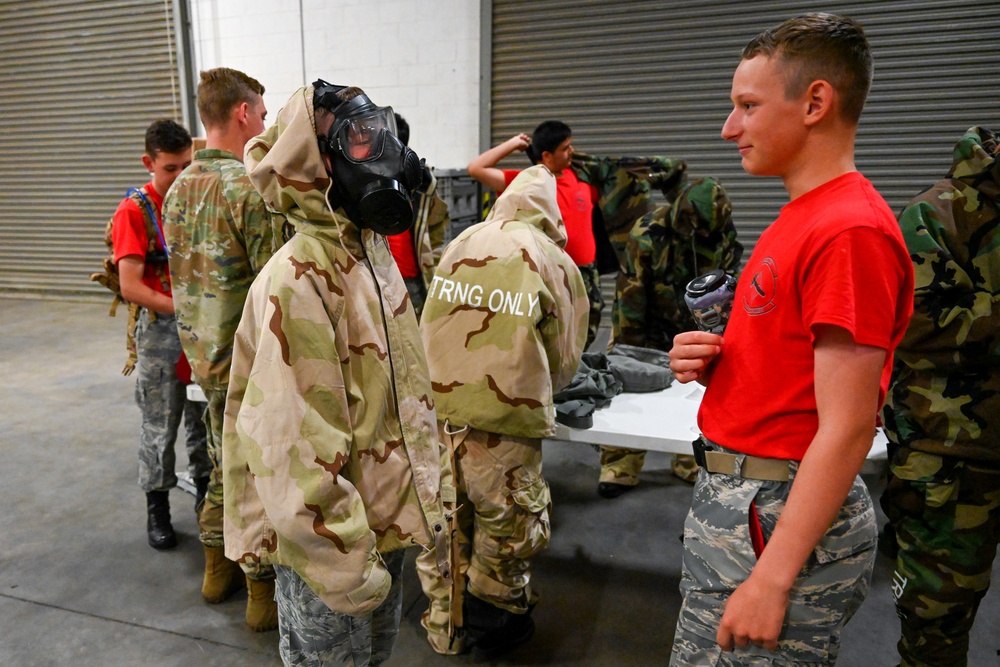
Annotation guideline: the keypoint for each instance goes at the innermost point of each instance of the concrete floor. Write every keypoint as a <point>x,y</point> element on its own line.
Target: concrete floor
<point>79,586</point>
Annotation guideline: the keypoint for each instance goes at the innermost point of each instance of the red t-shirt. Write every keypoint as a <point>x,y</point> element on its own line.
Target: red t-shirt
<point>128,236</point>
<point>401,246</point>
<point>835,256</point>
<point>576,203</point>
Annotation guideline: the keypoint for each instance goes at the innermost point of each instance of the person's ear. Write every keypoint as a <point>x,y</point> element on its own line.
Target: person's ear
<point>147,162</point>
<point>240,112</point>
<point>820,97</point>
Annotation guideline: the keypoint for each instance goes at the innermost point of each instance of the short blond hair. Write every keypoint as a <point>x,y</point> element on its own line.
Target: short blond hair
<point>220,90</point>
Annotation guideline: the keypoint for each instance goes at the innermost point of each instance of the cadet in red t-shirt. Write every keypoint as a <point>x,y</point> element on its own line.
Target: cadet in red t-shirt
<point>779,543</point>
<point>145,281</point>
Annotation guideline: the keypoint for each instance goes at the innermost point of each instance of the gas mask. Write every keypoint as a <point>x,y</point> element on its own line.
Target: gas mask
<point>374,175</point>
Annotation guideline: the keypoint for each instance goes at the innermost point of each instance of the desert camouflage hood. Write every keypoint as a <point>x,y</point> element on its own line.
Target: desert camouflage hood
<point>531,199</point>
<point>506,315</point>
<point>285,165</point>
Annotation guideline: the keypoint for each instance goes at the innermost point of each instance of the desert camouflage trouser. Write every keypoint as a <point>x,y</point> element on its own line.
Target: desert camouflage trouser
<point>592,281</point>
<point>162,400</point>
<point>718,557</point>
<point>946,513</point>
<point>310,633</point>
<point>502,521</point>
<point>622,466</point>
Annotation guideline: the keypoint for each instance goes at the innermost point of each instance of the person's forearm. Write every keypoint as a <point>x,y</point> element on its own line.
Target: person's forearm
<point>149,298</point>
<point>823,480</point>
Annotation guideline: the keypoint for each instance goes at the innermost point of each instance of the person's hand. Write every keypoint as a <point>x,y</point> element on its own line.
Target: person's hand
<point>754,614</point>
<point>691,354</point>
<point>519,142</point>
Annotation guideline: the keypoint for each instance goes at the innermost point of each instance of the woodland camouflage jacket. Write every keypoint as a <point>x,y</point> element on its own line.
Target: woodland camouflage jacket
<point>946,384</point>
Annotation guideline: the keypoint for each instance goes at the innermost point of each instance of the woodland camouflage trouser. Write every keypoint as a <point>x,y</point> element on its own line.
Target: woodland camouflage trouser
<point>502,521</point>
<point>946,513</point>
<point>592,281</point>
<point>719,555</point>
<point>163,402</point>
<point>310,633</point>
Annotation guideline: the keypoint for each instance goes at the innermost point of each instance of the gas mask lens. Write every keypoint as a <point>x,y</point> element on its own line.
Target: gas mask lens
<point>361,137</point>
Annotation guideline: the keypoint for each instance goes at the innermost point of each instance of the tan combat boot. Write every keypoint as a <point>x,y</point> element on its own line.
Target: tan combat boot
<point>262,611</point>
<point>223,577</point>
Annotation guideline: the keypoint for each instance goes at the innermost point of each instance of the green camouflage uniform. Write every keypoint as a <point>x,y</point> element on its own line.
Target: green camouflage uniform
<point>331,456</point>
<point>220,234</point>
<point>692,234</point>
<point>943,498</point>
<point>719,556</point>
<point>504,327</point>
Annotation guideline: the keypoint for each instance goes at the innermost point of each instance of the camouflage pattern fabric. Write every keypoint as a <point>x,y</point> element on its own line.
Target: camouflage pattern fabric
<point>505,318</point>
<point>946,513</point>
<point>943,499</point>
<point>667,248</point>
<point>310,633</point>
<point>220,235</point>
<point>946,379</point>
<point>502,521</point>
<point>163,403</point>
<point>429,229</point>
<point>718,557</point>
<point>330,451</point>
<point>625,190</point>
<point>595,299</point>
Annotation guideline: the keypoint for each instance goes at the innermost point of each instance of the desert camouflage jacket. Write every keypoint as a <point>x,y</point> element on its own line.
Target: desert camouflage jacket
<point>429,230</point>
<point>330,448</point>
<point>667,248</point>
<point>506,315</point>
<point>219,234</point>
<point>946,382</point>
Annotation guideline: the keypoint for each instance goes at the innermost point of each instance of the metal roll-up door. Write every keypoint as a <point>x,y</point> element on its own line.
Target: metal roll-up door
<point>79,84</point>
<point>647,77</point>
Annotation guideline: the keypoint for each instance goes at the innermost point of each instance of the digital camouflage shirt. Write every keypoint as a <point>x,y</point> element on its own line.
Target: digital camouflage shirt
<point>692,234</point>
<point>506,315</point>
<point>945,392</point>
<point>330,450</point>
<point>220,234</point>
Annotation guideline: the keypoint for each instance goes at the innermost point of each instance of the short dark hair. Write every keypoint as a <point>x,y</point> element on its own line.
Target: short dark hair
<point>402,129</point>
<point>547,137</point>
<point>820,46</point>
<point>166,136</point>
<point>220,90</point>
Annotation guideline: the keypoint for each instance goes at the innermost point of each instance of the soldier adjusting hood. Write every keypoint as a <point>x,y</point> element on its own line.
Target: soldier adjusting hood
<point>531,198</point>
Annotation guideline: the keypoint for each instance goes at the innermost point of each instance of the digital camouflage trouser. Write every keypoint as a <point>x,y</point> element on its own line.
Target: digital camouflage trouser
<point>719,555</point>
<point>310,633</point>
<point>502,521</point>
<point>592,281</point>
<point>946,513</point>
<point>622,466</point>
<point>162,400</point>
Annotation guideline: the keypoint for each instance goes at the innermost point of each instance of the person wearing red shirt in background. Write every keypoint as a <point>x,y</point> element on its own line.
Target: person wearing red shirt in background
<point>145,281</point>
<point>551,144</point>
<point>779,543</point>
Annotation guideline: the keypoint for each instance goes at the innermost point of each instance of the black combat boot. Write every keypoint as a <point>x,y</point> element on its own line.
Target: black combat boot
<point>492,630</point>
<point>158,529</point>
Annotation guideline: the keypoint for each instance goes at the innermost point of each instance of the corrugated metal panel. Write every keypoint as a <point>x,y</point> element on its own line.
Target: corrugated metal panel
<point>646,77</point>
<point>79,84</point>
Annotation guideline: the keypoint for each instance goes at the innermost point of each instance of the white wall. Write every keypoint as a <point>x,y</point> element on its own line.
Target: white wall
<point>419,56</point>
